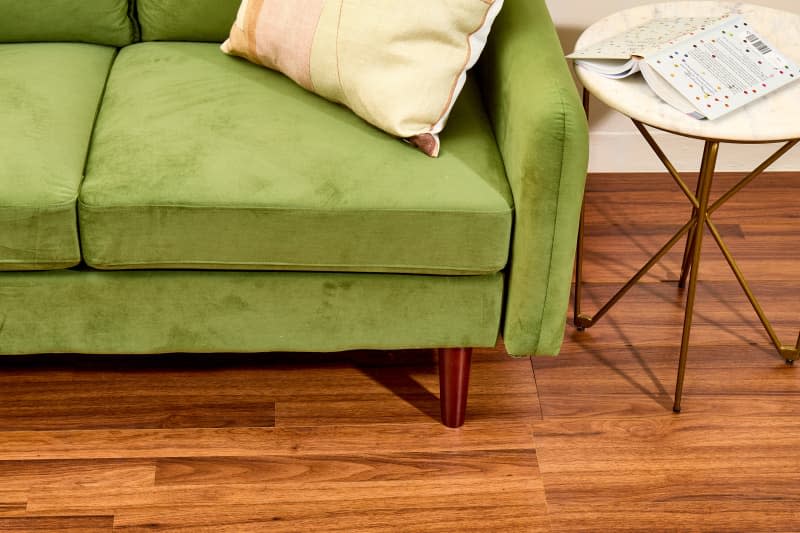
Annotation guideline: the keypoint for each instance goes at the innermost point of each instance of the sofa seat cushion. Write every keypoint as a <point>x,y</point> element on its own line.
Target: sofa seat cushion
<point>200,160</point>
<point>49,95</point>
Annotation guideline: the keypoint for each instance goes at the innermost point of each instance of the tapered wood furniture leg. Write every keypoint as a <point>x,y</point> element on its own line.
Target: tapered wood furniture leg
<point>454,365</point>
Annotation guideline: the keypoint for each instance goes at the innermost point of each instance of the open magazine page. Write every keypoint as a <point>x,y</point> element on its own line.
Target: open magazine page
<point>722,69</point>
<point>667,92</point>
<point>648,38</point>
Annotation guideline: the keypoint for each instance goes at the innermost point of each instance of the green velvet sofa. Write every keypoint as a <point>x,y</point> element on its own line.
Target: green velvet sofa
<point>158,196</point>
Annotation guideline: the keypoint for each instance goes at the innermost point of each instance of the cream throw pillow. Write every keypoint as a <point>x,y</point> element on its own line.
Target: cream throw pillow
<point>398,64</point>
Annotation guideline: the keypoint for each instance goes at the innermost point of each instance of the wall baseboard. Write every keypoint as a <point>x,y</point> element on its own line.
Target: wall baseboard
<point>628,152</point>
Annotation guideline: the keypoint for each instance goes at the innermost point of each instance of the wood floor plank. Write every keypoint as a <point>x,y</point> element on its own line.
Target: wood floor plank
<point>708,516</point>
<point>244,394</point>
<point>30,445</point>
<point>58,524</point>
<point>760,259</point>
<point>346,517</point>
<point>321,506</point>
<point>24,475</point>
<point>499,389</point>
<point>364,467</point>
<point>439,493</point>
<point>580,352</point>
<point>639,405</point>
<point>695,432</point>
<point>631,216</point>
<point>13,502</point>
<point>112,412</point>
<point>393,410</point>
<point>100,399</point>
<point>696,471</point>
<point>638,380</point>
<point>652,314</point>
<point>782,379</point>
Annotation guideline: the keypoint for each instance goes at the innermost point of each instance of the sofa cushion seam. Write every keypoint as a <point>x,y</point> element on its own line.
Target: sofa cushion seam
<point>91,207</point>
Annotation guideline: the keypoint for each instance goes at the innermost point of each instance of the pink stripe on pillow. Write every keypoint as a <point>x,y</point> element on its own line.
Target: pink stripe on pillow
<point>286,31</point>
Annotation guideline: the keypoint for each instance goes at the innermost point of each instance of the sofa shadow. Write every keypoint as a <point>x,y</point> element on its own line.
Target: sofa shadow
<point>399,380</point>
<point>392,370</point>
<point>655,391</point>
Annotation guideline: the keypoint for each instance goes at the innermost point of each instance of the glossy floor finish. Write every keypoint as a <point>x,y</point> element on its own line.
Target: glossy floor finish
<point>352,442</point>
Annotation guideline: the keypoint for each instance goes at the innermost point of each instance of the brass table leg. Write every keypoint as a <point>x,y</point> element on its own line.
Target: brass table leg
<point>687,256</point>
<point>704,187</point>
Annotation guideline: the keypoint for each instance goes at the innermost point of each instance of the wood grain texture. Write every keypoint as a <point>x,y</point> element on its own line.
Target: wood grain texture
<point>23,475</point>
<point>356,445</point>
<point>727,462</point>
<point>687,472</point>
<point>58,524</point>
<point>351,442</point>
<point>497,514</point>
<point>12,501</point>
<point>630,216</point>
<point>363,467</point>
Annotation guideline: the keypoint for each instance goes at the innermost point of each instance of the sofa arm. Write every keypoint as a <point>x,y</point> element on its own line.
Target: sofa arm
<point>542,133</point>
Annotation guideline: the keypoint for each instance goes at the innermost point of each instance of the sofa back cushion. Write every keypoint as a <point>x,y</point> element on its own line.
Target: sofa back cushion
<point>186,20</point>
<point>107,22</point>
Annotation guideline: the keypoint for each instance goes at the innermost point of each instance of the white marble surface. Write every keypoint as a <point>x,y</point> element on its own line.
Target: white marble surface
<point>774,117</point>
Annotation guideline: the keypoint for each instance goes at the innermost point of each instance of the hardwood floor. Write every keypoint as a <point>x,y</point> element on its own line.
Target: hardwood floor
<point>612,455</point>
<point>351,442</point>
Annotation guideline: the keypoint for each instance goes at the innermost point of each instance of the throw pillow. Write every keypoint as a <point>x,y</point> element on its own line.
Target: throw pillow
<point>399,65</point>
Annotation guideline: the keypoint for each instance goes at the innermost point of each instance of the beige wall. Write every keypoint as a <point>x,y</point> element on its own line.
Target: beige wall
<point>613,134</point>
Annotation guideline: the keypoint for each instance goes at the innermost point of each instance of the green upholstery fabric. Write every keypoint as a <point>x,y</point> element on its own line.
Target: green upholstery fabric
<point>49,95</point>
<point>200,160</point>
<point>199,312</point>
<point>88,21</point>
<point>542,133</point>
<point>187,20</point>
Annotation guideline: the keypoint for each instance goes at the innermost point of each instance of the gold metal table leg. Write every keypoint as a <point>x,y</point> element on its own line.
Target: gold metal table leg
<point>687,256</point>
<point>706,179</point>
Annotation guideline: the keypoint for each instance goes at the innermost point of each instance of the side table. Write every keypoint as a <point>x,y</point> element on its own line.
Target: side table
<point>772,119</point>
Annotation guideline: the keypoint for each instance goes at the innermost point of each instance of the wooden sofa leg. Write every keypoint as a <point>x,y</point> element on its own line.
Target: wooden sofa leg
<point>454,365</point>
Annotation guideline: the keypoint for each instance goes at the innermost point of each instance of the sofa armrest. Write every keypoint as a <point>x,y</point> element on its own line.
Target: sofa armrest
<point>542,133</point>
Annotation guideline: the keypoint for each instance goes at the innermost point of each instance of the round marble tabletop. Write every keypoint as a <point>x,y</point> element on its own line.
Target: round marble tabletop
<point>774,117</point>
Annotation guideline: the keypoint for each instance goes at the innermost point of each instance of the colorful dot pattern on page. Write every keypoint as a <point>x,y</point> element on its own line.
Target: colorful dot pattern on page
<point>646,38</point>
<point>719,72</point>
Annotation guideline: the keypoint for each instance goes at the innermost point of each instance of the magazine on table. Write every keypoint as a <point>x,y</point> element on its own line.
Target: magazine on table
<point>704,67</point>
